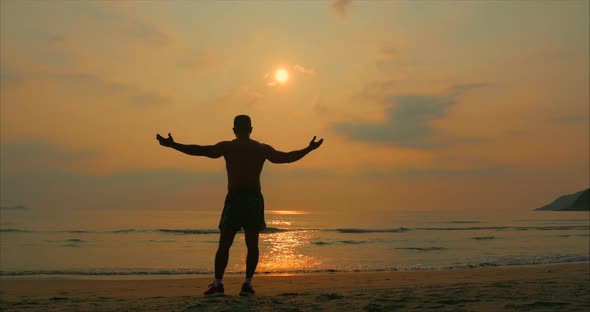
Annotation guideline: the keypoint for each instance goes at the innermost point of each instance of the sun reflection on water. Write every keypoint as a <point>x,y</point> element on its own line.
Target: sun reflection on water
<point>283,247</point>
<point>284,253</point>
<point>279,222</point>
<point>286,212</point>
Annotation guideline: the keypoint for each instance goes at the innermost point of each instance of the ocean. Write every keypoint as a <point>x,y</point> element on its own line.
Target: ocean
<point>181,244</point>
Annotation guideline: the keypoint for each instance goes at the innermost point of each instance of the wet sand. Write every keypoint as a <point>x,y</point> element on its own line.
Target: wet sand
<point>563,287</point>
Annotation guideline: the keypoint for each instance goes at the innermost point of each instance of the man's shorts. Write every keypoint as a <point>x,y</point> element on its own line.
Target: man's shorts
<point>243,209</point>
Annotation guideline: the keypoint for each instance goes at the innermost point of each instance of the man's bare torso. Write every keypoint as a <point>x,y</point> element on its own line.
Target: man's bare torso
<point>244,159</point>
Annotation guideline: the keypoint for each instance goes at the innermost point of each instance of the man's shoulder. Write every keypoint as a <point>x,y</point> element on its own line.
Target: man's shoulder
<point>265,148</point>
<point>223,144</point>
<point>249,142</point>
<point>264,145</point>
<point>244,144</point>
<point>259,143</point>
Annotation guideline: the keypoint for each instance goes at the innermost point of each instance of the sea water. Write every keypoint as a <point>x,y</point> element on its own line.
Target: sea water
<point>183,243</point>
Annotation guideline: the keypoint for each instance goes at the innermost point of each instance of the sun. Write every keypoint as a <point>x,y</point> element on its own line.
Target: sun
<point>281,75</point>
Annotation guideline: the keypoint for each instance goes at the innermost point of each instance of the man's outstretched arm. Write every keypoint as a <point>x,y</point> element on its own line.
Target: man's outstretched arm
<point>211,151</point>
<point>278,157</point>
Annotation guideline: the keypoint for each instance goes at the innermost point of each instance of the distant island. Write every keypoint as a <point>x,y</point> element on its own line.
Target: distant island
<point>579,201</point>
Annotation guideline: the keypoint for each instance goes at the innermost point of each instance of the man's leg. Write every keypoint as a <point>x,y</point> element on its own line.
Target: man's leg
<point>226,238</point>
<point>252,257</point>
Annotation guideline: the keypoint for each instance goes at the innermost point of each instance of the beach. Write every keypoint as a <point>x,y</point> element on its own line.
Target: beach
<point>548,287</point>
<point>347,155</point>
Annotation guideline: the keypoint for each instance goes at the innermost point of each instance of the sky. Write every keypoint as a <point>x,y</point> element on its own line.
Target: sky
<point>430,105</point>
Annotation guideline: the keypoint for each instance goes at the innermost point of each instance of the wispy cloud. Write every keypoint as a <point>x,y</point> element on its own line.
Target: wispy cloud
<point>34,154</point>
<point>9,78</point>
<point>57,39</point>
<point>206,60</point>
<point>13,207</point>
<point>341,7</point>
<point>388,52</point>
<point>303,70</point>
<point>378,89</point>
<point>571,118</point>
<point>55,189</point>
<point>243,95</point>
<point>317,105</point>
<point>133,95</point>
<point>461,88</point>
<point>113,16</point>
<point>440,172</point>
<point>293,69</point>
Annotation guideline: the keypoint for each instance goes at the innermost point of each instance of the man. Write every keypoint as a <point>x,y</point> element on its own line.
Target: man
<point>244,204</point>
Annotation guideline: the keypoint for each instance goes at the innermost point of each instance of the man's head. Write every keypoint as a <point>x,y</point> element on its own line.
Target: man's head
<point>242,126</point>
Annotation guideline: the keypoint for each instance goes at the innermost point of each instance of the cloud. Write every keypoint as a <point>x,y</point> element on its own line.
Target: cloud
<point>571,118</point>
<point>381,90</point>
<point>56,39</point>
<point>440,172</point>
<point>461,88</point>
<point>146,32</point>
<point>115,19</point>
<point>341,7</point>
<point>135,95</point>
<point>317,105</point>
<point>147,98</point>
<point>388,52</point>
<point>280,173</point>
<point>243,95</point>
<point>132,94</point>
<point>270,80</point>
<point>56,189</point>
<point>9,78</point>
<point>31,154</point>
<point>298,69</point>
<point>303,70</point>
<point>409,121</point>
<point>12,207</point>
<point>377,90</point>
<point>206,60</point>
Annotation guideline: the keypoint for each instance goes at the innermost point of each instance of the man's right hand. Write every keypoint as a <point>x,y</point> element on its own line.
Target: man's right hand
<point>165,141</point>
<point>313,144</point>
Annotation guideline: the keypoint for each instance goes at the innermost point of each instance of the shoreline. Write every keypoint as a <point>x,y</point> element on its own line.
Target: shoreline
<point>542,287</point>
<point>180,276</point>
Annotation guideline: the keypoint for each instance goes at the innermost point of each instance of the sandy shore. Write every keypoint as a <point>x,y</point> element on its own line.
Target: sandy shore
<point>559,287</point>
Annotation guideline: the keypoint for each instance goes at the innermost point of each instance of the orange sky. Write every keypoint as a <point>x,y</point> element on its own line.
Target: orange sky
<point>428,105</point>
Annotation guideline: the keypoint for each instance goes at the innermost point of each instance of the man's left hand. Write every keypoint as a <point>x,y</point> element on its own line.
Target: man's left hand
<point>165,141</point>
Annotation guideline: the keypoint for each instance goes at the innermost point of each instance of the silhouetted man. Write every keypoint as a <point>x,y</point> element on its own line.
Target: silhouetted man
<point>244,204</point>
